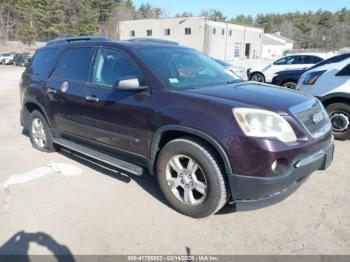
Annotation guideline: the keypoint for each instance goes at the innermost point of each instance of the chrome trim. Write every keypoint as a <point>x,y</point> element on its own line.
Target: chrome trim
<point>307,106</point>
<point>309,159</point>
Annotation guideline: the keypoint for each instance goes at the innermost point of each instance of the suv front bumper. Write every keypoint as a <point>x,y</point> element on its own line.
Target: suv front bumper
<point>250,190</point>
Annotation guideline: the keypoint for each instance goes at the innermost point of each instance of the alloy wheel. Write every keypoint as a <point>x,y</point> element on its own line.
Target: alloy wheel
<point>186,180</point>
<point>38,133</point>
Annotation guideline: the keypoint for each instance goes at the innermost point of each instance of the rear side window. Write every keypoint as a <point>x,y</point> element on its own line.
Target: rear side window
<point>345,71</point>
<point>74,64</point>
<point>42,62</point>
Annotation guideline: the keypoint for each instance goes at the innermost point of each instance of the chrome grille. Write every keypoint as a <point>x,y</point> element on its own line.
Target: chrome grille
<point>313,116</point>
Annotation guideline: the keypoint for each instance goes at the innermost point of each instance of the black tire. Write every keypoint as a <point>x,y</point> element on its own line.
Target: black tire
<point>257,77</point>
<point>339,113</point>
<point>216,194</point>
<point>290,85</point>
<point>48,146</point>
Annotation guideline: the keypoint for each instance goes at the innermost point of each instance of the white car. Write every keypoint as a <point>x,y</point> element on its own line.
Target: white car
<point>6,58</point>
<point>265,73</point>
<point>237,70</point>
<point>331,84</point>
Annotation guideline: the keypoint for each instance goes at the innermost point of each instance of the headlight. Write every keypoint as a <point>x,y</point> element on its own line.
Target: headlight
<point>312,77</point>
<point>265,124</point>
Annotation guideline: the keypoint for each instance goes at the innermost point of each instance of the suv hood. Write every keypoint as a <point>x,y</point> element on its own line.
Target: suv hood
<point>252,94</point>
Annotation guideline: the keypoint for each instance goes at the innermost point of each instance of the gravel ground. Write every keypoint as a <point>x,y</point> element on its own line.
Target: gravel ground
<point>105,212</point>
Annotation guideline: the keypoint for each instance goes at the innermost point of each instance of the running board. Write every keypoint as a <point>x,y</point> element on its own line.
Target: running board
<point>115,162</point>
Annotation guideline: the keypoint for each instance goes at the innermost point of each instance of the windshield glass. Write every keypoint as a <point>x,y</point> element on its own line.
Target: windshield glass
<point>181,68</point>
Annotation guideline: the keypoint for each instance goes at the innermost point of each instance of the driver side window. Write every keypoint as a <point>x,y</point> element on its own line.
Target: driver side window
<point>112,66</point>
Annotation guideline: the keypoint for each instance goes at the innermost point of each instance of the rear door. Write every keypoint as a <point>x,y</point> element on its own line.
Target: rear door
<point>67,88</point>
<point>118,118</point>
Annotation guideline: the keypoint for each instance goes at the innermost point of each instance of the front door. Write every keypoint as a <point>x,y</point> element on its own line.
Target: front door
<point>67,88</point>
<point>117,118</point>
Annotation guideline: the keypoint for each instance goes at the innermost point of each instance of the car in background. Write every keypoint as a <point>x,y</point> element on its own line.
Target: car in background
<point>6,58</point>
<point>22,59</point>
<point>330,83</point>
<point>265,73</point>
<point>238,70</point>
<point>290,78</point>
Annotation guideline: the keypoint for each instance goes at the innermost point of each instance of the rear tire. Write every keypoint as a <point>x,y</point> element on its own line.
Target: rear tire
<point>290,85</point>
<point>39,133</point>
<point>339,113</point>
<point>190,178</point>
<point>257,77</point>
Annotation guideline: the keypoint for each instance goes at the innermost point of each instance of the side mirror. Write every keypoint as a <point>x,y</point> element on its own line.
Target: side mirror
<point>131,84</point>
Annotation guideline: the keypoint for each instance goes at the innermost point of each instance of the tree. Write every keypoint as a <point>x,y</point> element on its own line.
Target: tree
<point>149,11</point>
<point>214,15</point>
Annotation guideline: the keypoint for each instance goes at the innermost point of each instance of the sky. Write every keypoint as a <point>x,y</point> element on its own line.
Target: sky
<point>232,8</point>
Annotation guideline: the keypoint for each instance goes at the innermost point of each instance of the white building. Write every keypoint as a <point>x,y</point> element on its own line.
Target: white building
<point>275,45</point>
<point>220,40</point>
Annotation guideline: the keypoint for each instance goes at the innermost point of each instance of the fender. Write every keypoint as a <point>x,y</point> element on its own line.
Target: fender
<point>33,100</point>
<point>191,131</point>
<point>334,95</point>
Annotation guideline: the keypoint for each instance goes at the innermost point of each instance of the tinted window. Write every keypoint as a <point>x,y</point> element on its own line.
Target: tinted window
<point>345,71</point>
<point>285,60</point>
<point>74,64</point>
<point>42,62</point>
<point>111,66</point>
<point>334,59</point>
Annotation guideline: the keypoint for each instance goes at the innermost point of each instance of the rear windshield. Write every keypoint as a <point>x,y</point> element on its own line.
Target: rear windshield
<point>182,68</point>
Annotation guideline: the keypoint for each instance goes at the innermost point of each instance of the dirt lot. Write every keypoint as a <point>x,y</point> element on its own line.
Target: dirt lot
<point>104,212</point>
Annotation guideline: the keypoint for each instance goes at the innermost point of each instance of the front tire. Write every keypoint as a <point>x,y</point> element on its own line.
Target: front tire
<point>190,178</point>
<point>39,133</point>
<point>257,77</point>
<point>339,114</point>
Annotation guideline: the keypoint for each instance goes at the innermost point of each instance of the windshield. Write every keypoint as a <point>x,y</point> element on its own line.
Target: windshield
<point>181,68</point>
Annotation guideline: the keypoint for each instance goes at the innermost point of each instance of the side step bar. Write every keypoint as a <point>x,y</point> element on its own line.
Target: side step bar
<point>115,162</point>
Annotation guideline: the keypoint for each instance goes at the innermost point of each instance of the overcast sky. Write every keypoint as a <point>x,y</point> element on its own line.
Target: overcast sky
<point>248,7</point>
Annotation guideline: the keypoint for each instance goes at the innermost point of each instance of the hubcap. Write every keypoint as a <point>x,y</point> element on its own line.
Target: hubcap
<point>186,180</point>
<point>38,132</point>
<point>290,85</point>
<point>257,78</point>
<point>340,122</point>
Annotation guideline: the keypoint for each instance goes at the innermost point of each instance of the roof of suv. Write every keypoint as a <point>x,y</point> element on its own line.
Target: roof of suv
<point>135,42</point>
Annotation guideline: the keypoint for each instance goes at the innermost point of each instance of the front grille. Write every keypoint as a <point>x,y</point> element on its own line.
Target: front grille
<point>314,118</point>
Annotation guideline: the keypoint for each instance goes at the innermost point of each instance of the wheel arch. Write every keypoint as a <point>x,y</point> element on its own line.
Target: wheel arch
<point>335,98</point>
<point>167,133</point>
<point>29,105</point>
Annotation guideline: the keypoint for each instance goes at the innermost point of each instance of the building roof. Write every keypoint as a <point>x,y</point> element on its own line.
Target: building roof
<point>276,39</point>
<point>278,35</point>
<point>271,41</point>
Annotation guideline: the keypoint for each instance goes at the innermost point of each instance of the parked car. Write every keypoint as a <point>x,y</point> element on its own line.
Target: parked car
<point>21,59</point>
<point>290,78</point>
<point>238,70</point>
<point>209,137</point>
<point>265,73</point>
<point>331,84</point>
<point>6,58</point>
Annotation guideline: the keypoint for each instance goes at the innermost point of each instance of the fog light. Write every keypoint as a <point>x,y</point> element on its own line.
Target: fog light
<point>279,166</point>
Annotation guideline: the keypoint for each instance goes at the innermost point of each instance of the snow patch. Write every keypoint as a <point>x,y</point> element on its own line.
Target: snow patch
<point>50,169</point>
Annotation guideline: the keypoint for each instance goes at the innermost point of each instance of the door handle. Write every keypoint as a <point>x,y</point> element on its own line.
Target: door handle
<point>51,91</point>
<point>92,98</point>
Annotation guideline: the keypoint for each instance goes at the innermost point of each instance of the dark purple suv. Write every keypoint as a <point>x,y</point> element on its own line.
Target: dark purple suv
<point>209,137</point>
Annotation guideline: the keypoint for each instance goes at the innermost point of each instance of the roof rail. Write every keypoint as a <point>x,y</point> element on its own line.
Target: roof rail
<point>78,39</point>
<point>152,40</point>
